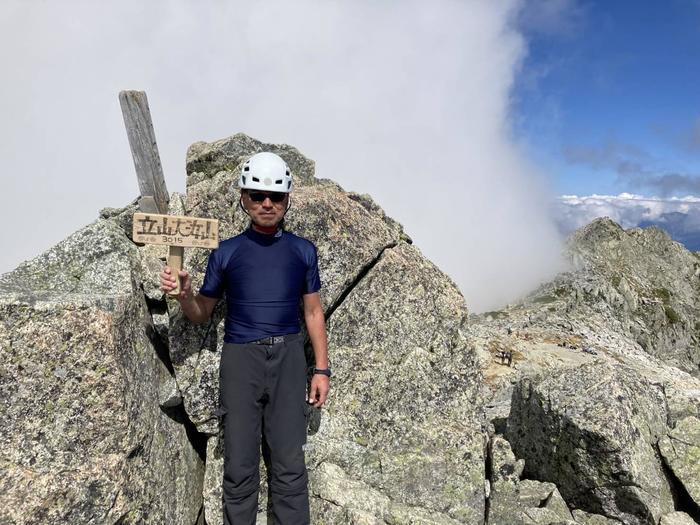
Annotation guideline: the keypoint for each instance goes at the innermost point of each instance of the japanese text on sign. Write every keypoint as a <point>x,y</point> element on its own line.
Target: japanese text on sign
<point>175,230</point>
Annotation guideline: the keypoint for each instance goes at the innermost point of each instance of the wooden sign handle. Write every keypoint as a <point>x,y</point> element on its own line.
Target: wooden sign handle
<point>175,254</point>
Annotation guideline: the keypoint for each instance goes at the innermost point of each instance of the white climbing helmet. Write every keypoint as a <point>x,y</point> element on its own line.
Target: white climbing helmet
<point>266,171</point>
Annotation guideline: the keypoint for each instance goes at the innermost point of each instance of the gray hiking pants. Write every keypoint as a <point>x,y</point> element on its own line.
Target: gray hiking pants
<point>263,397</point>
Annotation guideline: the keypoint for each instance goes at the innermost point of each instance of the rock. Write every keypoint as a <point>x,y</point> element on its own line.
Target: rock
<point>503,465</point>
<point>646,281</point>
<point>585,518</point>
<point>592,430</point>
<point>363,504</point>
<point>97,259</point>
<point>677,518</point>
<point>169,394</point>
<point>504,500</point>
<point>205,160</point>
<point>349,231</point>
<point>367,270</point>
<point>543,516</point>
<point>681,451</point>
<point>213,479</point>
<point>84,439</point>
<point>514,501</point>
<point>401,416</point>
<point>543,495</point>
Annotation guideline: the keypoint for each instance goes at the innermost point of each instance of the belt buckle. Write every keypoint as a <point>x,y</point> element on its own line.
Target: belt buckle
<point>271,340</point>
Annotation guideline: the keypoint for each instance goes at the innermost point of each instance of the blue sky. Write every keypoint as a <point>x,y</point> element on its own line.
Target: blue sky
<point>608,97</point>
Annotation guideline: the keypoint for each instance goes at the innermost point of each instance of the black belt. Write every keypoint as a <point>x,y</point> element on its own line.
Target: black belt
<point>273,340</point>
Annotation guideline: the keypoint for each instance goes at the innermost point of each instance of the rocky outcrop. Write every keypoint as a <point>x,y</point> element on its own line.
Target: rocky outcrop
<point>84,439</point>
<point>416,450</point>
<point>677,518</point>
<point>592,430</point>
<point>649,283</point>
<point>401,417</point>
<point>397,386</point>
<point>681,451</point>
<point>590,325</point>
<point>577,404</point>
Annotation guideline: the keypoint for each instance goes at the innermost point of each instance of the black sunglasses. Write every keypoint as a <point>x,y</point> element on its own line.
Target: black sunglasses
<point>259,196</point>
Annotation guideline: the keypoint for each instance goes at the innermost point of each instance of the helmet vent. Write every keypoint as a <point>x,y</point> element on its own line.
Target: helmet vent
<point>255,179</point>
<point>287,173</point>
<point>243,177</point>
<point>278,181</point>
<point>246,168</point>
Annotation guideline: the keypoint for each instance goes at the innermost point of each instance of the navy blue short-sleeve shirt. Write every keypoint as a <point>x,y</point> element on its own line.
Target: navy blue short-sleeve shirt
<point>263,277</point>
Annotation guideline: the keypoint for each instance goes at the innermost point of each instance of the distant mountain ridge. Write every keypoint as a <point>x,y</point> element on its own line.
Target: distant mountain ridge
<point>678,216</point>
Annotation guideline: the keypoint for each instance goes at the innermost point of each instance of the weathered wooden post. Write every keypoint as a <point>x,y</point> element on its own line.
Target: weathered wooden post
<point>152,225</point>
<point>144,150</point>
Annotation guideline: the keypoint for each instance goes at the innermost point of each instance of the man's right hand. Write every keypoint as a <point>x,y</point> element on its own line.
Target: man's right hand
<point>168,283</point>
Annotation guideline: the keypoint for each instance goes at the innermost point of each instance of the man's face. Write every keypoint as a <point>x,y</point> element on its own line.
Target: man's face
<point>265,207</point>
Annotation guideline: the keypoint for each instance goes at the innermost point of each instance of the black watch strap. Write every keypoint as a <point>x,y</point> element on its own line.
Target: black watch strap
<point>324,371</point>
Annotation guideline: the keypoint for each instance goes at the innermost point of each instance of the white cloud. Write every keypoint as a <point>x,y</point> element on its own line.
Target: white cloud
<point>680,216</point>
<point>407,101</point>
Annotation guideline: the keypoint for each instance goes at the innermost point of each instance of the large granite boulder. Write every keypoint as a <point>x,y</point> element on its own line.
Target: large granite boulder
<point>402,414</point>
<point>402,417</point>
<point>677,518</point>
<point>681,451</point>
<point>593,430</point>
<point>83,438</point>
<point>349,230</point>
<point>515,501</point>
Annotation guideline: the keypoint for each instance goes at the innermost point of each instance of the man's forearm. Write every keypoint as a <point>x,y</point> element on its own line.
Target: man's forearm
<point>316,326</point>
<point>193,309</point>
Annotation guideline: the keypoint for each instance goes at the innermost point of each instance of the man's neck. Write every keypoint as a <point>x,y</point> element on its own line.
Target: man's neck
<point>267,230</point>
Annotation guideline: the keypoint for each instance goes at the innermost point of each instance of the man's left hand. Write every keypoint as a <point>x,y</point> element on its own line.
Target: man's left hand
<point>318,392</point>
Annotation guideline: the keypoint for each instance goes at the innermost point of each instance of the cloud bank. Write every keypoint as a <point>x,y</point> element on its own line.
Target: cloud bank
<point>407,101</point>
<point>679,216</point>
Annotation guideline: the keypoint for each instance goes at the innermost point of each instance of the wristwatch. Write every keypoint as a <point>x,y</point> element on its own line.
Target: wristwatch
<point>324,371</point>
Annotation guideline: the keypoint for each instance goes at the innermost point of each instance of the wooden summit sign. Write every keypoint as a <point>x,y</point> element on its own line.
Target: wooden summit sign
<point>152,225</point>
<point>176,232</point>
<point>173,230</point>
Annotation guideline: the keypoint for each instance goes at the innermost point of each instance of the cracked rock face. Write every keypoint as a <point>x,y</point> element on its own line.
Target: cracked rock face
<point>592,430</point>
<point>677,518</point>
<point>401,416</point>
<point>681,451</point>
<point>401,420</point>
<point>586,518</point>
<point>84,439</point>
<point>598,316</point>
<point>349,230</point>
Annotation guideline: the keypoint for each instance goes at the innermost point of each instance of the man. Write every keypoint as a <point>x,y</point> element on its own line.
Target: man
<point>264,272</point>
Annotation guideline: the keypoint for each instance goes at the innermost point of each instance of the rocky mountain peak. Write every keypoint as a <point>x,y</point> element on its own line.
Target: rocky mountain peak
<point>575,404</point>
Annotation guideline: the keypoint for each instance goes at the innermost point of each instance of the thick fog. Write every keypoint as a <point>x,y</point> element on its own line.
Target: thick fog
<point>408,101</point>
